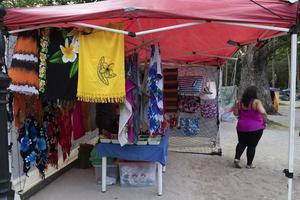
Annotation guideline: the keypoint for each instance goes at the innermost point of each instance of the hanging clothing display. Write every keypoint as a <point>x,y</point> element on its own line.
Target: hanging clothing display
<point>132,74</point>
<point>126,129</point>
<point>209,109</point>
<point>24,65</point>
<point>190,85</point>
<point>190,104</point>
<point>25,105</point>
<point>77,119</point>
<point>101,67</point>
<point>44,43</point>
<point>155,85</point>
<point>66,129</point>
<point>33,146</point>
<point>228,95</point>
<point>50,123</point>
<point>62,64</point>
<point>190,125</point>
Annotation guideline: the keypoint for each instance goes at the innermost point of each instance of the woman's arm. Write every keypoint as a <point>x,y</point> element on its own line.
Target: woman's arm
<point>236,109</point>
<point>260,108</point>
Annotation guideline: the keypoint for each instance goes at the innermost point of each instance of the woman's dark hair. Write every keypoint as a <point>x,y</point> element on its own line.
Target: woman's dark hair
<point>249,94</point>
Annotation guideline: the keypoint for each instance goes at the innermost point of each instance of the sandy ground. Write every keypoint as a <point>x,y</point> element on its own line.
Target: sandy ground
<point>201,177</point>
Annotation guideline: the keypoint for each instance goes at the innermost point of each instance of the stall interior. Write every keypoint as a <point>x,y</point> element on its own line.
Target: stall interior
<point>65,84</point>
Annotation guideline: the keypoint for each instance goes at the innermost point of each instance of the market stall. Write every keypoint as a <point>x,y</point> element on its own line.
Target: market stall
<point>206,33</point>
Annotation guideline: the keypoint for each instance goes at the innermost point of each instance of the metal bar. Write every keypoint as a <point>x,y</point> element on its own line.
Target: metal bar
<point>31,28</point>
<point>273,28</point>
<point>292,112</point>
<point>216,56</point>
<point>100,28</point>
<point>159,177</point>
<point>167,28</point>
<point>103,174</point>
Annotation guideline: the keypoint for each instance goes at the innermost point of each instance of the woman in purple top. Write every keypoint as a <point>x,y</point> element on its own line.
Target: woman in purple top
<point>250,126</point>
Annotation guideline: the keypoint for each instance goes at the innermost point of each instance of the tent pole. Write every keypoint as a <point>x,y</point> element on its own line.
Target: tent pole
<point>170,27</point>
<point>293,73</point>
<point>273,28</point>
<point>100,28</point>
<point>31,28</point>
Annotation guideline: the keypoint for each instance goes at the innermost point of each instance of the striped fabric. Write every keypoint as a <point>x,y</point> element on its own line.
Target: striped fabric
<point>190,86</point>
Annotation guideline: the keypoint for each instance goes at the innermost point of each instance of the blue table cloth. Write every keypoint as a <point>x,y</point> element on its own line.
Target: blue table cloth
<point>157,153</point>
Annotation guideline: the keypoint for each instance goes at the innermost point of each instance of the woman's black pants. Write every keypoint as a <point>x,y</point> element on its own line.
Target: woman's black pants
<point>249,140</point>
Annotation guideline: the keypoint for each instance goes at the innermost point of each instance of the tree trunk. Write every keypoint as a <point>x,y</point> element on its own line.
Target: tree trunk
<point>254,72</point>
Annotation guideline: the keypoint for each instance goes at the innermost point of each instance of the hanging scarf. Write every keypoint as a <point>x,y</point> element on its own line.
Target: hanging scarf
<point>155,85</point>
<point>24,65</point>
<point>33,146</point>
<point>65,125</point>
<point>101,67</point>
<point>50,123</point>
<point>25,105</point>
<point>62,64</point>
<point>44,43</point>
<point>126,129</point>
<point>78,125</point>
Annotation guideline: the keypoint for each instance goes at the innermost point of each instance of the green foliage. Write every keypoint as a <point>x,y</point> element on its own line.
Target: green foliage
<point>33,3</point>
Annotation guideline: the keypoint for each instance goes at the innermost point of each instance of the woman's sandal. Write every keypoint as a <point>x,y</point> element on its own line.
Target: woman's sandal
<point>250,166</point>
<point>236,163</point>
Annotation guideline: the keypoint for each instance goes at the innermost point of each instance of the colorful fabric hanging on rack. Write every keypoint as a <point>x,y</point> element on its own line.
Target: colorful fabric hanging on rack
<point>133,75</point>
<point>62,65</point>
<point>77,119</point>
<point>101,67</point>
<point>155,86</point>
<point>25,105</point>
<point>50,124</point>
<point>33,146</point>
<point>44,43</point>
<point>126,129</point>
<point>190,85</point>
<point>190,126</point>
<point>209,109</point>
<point>66,129</point>
<point>24,65</point>
<point>189,104</point>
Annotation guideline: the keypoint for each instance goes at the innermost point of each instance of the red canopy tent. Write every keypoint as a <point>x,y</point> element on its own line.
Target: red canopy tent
<point>207,31</point>
<point>207,25</point>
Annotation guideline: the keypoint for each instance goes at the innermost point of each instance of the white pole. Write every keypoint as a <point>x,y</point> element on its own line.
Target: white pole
<point>103,28</point>
<point>218,141</point>
<point>167,28</point>
<point>273,28</point>
<point>292,113</point>
<point>30,28</point>
<point>159,177</point>
<point>103,174</point>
